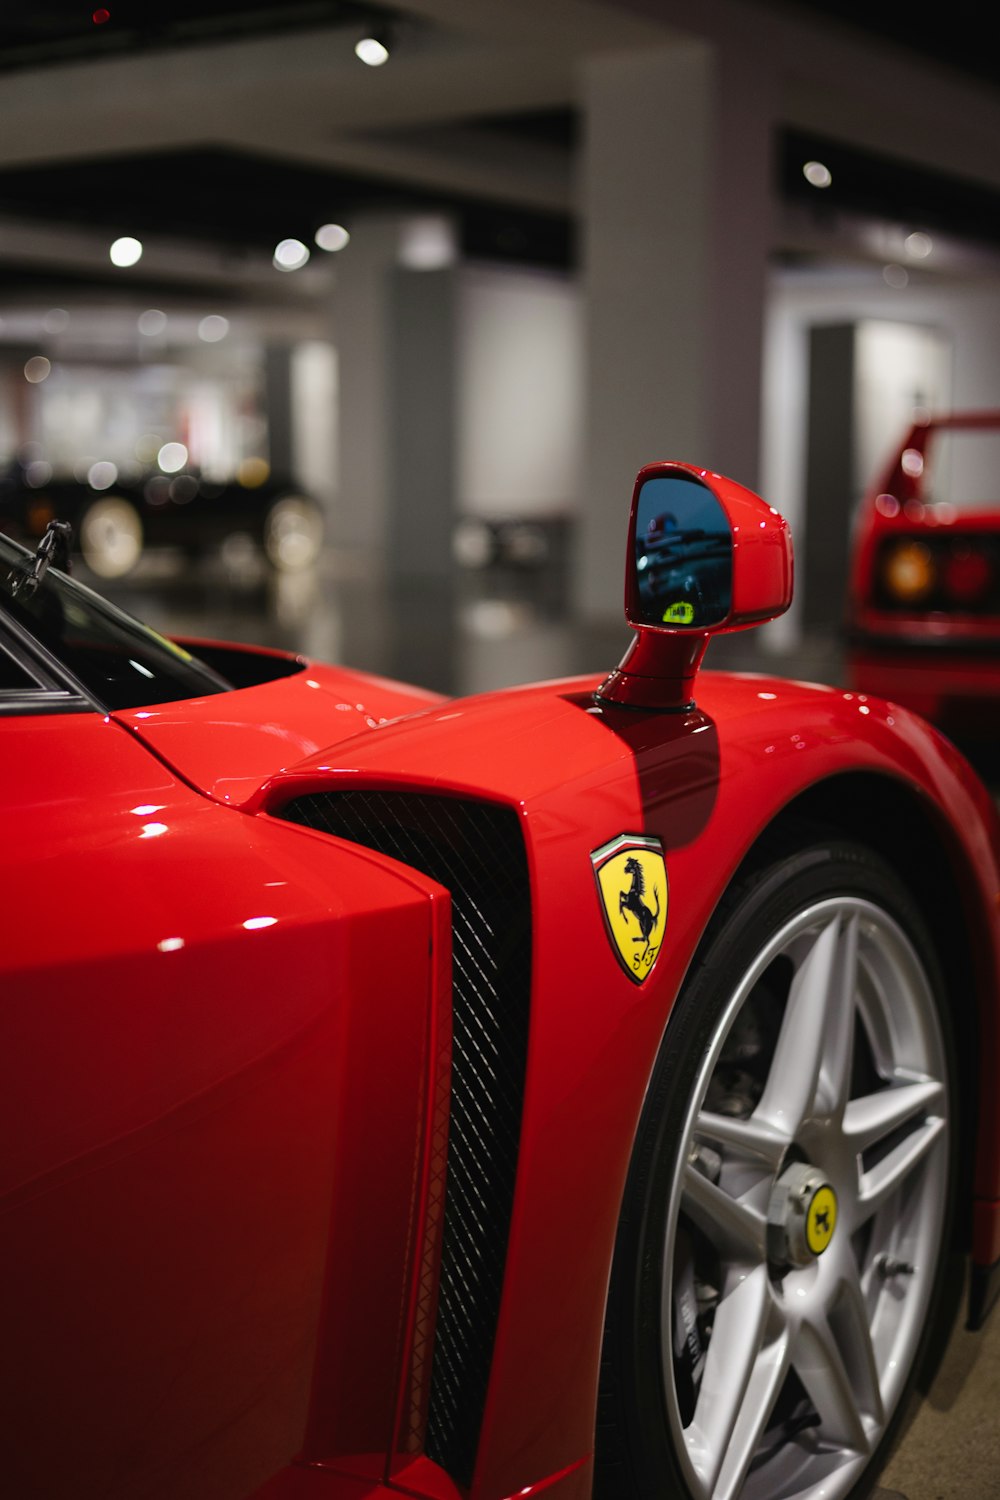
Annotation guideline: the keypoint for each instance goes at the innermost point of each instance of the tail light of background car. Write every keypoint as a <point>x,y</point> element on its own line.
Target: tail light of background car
<point>949,574</point>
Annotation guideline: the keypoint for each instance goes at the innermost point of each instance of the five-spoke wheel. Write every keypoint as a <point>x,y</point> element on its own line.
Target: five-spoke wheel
<point>784,1222</point>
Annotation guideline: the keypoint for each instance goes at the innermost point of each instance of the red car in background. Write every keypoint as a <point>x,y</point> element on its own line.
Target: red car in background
<point>579,1090</point>
<point>924,608</point>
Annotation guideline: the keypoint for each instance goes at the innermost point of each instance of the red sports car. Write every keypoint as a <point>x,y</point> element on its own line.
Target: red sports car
<point>924,611</point>
<point>578,1090</point>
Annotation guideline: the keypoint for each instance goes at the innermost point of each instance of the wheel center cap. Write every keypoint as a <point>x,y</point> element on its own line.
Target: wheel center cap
<point>801,1216</point>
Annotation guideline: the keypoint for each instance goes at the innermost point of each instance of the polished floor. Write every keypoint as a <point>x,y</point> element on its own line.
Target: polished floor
<point>491,628</point>
<point>950,1449</point>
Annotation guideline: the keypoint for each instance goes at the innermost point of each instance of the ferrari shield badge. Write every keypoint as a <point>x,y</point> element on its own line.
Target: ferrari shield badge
<point>632,884</point>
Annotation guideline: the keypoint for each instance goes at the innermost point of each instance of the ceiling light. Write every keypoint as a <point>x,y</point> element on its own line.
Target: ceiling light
<point>151,322</point>
<point>37,369</point>
<point>331,237</point>
<point>290,255</point>
<point>213,328</point>
<point>126,251</point>
<point>918,245</point>
<point>373,50</point>
<point>817,175</point>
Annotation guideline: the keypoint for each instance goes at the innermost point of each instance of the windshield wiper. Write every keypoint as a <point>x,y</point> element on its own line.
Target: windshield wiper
<point>52,550</point>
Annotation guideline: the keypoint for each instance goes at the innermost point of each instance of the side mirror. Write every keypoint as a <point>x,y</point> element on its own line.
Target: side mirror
<point>705,555</point>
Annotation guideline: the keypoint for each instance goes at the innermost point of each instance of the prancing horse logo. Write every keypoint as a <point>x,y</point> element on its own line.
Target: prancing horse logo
<point>632,884</point>
<point>631,900</point>
<point>821,1219</point>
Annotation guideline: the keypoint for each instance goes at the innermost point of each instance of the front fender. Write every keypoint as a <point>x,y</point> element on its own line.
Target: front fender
<point>707,783</point>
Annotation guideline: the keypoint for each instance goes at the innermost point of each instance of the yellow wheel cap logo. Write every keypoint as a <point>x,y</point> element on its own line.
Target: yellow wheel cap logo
<point>632,884</point>
<point>821,1219</point>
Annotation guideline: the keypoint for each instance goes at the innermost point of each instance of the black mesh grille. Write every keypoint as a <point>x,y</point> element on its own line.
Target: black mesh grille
<point>475,849</point>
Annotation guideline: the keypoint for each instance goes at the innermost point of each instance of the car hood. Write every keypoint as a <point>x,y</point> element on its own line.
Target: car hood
<point>227,744</point>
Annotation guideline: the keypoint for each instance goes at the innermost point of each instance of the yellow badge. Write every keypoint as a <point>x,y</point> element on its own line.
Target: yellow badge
<point>821,1219</point>
<point>632,883</point>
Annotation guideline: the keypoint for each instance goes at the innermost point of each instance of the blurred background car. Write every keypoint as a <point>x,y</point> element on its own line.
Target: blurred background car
<point>116,516</point>
<point>924,606</point>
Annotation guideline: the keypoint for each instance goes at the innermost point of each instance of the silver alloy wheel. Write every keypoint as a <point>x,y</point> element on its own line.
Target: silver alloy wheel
<point>111,536</point>
<point>801,1365</point>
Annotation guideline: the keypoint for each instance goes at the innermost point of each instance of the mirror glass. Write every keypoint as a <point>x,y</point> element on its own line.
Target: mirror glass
<point>683,555</point>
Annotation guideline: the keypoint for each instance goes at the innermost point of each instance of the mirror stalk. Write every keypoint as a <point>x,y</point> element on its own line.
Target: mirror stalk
<point>657,671</point>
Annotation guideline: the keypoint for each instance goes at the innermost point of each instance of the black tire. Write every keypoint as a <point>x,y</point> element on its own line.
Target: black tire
<point>761,1338</point>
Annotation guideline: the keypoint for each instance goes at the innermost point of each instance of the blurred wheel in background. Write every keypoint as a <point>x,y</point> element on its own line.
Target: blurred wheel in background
<point>110,536</point>
<point>293,533</point>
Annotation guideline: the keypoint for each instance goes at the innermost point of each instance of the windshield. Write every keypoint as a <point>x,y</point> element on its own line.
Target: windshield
<point>121,663</point>
<point>961,469</point>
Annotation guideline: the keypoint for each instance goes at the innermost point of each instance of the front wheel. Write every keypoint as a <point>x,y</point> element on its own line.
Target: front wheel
<point>780,1254</point>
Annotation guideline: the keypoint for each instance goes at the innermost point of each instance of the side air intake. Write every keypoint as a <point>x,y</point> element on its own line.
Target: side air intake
<point>476,851</point>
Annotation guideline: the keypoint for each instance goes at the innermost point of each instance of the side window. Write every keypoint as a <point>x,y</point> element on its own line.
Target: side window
<point>21,693</point>
<point>13,677</point>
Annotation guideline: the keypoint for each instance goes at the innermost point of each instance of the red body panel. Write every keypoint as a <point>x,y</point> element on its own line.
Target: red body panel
<point>195,1084</point>
<point>706,784</point>
<point>228,1049</point>
<point>229,743</point>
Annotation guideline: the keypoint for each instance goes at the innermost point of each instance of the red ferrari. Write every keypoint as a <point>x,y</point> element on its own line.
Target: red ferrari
<point>924,611</point>
<point>574,1091</point>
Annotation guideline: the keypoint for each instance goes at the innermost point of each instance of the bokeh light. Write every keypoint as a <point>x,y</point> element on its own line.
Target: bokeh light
<point>332,237</point>
<point>213,328</point>
<point>152,322</point>
<point>125,251</point>
<point>37,473</point>
<point>817,174</point>
<point>372,51</point>
<point>253,472</point>
<point>918,245</point>
<point>171,457</point>
<point>37,369</point>
<point>290,255</point>
<point>102,475</point>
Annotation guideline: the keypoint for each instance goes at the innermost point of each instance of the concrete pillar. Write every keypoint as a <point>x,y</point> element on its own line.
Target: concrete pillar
<point>394,328</point>
<point>278,404</point>
<point>676,208</point>
<point>361,336</point>
<point>396,346</point>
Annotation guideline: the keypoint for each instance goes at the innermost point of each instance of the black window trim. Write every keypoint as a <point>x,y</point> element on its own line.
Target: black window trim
<point>44,663</point>
<point>58,691</point>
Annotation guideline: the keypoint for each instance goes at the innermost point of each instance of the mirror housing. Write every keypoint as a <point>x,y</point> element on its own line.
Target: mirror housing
<point>705,556</point>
